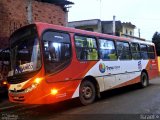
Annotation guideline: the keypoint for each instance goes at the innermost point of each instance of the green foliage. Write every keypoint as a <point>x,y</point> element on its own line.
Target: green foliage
<point>156,41</point>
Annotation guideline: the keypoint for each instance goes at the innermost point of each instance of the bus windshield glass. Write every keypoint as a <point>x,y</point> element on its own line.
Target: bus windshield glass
<point>25,51</point>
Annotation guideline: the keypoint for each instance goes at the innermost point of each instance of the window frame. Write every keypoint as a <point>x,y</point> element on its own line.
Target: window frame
<point>114,43</point>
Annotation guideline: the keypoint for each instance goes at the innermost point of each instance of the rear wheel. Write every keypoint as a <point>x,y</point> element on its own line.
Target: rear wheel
<point>144,80</point>
<point>87,92</point>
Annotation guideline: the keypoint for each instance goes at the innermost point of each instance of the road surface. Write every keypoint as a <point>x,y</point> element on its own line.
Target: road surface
<point>125,103</point>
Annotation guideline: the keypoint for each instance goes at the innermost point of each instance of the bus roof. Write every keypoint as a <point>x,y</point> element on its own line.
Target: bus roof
<point>73,30</point>
<point>43,26</point>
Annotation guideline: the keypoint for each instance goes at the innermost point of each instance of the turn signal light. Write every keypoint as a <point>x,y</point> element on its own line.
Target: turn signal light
<point>54,91</point>
<point>38,80</point>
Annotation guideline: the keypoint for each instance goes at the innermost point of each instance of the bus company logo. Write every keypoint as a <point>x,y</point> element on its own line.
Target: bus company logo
<point>139,65</point>
<point>102,67</point>
<point>112,68</point>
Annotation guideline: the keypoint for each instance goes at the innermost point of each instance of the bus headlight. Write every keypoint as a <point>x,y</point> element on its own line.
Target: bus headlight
<point>34,85</point>
<point>38,80</point>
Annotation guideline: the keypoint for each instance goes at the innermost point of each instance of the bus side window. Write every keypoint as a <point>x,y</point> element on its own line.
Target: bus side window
<point>144,51</point>
<point>123,50</point>
<point>86,48</point>
<point>83,54</point>
<point>57,50</point>
<point>151,52</point>
<point>52,52</point>
<point>136,54</point>
<point>107,49</point>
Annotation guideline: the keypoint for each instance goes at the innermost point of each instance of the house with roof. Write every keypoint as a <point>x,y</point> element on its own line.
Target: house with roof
<point>125,29</point>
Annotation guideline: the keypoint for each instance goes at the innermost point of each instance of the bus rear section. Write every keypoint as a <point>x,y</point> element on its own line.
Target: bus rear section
<point>51,63</point>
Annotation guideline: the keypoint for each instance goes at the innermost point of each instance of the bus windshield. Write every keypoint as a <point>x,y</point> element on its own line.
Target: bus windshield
<point>25,52</point>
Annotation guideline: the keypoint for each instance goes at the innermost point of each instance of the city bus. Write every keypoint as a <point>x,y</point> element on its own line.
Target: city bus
<point>51,63</point>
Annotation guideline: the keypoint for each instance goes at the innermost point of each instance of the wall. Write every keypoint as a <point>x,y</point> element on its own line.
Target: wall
<point>50,13</point>
<point>129,29</point>
<point>94,24</point>
<point>107,28</point>
<point>93,27</point>
<point>14,14</point>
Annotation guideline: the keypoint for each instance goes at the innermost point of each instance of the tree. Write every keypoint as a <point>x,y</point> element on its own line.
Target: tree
<point>156,41</point>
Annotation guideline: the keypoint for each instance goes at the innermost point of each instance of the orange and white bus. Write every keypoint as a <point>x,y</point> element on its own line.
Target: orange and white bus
<point>51,63</point>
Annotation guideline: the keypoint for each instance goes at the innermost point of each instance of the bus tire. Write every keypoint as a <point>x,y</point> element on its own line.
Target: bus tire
<point>144,80</point>
<point>87,92</point>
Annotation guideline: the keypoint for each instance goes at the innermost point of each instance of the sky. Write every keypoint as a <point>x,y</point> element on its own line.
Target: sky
<point>144,14</point>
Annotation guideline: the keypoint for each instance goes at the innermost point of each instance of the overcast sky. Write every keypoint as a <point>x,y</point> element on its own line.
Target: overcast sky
<point>144,14</point>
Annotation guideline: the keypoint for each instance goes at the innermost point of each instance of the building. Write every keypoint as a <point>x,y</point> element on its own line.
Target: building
<point>90,25</point>
<point>17,13</point>
<point>106,27</point>
<point>128,28</point>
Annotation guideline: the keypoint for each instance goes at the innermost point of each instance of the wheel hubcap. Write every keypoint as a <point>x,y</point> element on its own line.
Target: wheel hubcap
<point>87,92</point>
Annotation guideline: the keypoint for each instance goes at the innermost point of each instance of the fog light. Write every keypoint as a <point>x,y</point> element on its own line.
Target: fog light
<point>54,91</point>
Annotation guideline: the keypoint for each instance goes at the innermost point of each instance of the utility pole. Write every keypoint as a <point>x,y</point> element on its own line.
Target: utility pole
<point>29,11</point>
<point>66,18</point>
<point>139,33</point>
<point>100,10</point>
<point>114,25</point>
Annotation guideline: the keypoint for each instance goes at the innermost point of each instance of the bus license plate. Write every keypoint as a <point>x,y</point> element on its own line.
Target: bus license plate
<point>15,97</point>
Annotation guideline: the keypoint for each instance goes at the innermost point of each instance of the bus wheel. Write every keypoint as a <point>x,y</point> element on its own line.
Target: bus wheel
<point>87,92</point>
<point>144,80</point>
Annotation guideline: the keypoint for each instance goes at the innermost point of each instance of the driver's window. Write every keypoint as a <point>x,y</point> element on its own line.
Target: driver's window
<point>57,51</point>
<point>50,52</point>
